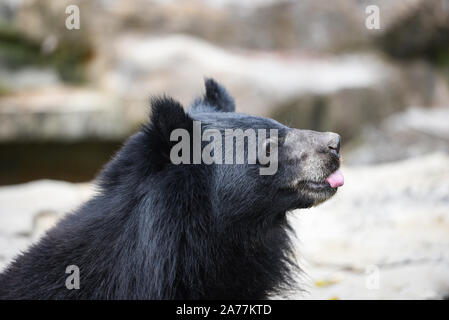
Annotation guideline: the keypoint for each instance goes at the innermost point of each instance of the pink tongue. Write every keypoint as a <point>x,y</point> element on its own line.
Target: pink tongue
<point>336,179</point>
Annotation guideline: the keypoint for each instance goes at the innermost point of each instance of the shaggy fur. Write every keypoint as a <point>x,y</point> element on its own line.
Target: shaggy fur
<point>161,231</point>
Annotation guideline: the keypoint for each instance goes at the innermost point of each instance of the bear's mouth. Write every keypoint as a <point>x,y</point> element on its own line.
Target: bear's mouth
<point>336,179</point>
<point>316,186</point>
<point>333,181</point>
<point>319,191</point>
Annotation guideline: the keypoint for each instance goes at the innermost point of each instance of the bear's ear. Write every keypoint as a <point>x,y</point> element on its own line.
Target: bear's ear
<point>216,98</point>
<point>167,115</point>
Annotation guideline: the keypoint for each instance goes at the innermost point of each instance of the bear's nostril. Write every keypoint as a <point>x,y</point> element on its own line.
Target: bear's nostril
<point>334,145</point>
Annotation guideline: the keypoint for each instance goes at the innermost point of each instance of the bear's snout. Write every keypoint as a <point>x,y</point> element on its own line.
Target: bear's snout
<point>333,143</point>
<point>300,141</point>
<point>314,155</point>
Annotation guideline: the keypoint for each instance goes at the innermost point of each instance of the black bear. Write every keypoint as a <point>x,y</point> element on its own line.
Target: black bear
<point>159,230</point>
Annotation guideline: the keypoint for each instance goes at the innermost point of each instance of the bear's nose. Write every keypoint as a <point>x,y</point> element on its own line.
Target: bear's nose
<point>334,143</point>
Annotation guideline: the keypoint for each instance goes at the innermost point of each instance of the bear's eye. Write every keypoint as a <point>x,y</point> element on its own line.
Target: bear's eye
<point>266,151</point>
<point>268,148</point>
<point>269,144</point>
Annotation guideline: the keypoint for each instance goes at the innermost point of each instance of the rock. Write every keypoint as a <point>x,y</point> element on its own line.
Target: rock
<point>27,79</point>
<point>287,87</point>
<point>330,112</point>
<point>312,25</point>
<point>428,22</point>
<point>303,91</point>
<point>62,114</point>
<point>28,210</point>
<point>43,221</point>
<point>415,131</point>
<point>389,223</point>
<point>288,65</point>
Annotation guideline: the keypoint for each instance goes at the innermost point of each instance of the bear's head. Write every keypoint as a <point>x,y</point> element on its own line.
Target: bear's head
<point>282,168</point>
<point>211,188</point>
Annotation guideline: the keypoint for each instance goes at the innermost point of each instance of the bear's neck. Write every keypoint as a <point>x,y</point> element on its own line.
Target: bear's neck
<point>193,254</point>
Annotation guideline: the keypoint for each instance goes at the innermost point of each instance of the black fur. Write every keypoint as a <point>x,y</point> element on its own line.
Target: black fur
<point>161,231</point>
<point>216,98</point>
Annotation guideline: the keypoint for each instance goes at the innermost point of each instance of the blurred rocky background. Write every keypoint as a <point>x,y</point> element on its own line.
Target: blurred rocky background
<point>68,99</point>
